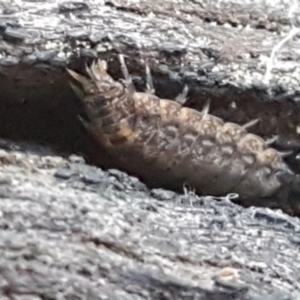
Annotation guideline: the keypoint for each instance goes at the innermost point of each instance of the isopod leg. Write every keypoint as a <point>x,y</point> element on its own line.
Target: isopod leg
<point>149,81</point>
<point>128,79</point>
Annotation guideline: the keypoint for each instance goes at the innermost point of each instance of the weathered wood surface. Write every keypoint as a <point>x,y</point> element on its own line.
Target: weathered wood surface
<point>71,231</point>
<point>72,236</point>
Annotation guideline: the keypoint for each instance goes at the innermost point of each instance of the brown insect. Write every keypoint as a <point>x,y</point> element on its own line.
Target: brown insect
<point>168,145</point>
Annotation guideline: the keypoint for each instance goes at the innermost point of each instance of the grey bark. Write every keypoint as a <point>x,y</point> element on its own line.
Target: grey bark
<point>71,230</point>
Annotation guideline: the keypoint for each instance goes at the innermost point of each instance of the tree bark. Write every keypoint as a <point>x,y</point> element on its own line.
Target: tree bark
<point>72,230</point>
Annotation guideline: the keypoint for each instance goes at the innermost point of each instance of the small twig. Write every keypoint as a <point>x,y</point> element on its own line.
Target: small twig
<point>270,64</point>
<point>294,31</point>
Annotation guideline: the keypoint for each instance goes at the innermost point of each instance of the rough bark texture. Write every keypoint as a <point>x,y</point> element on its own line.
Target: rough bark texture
<point>71,231</point>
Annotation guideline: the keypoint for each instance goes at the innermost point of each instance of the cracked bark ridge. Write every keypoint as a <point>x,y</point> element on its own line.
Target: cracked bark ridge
<point>69,230</point>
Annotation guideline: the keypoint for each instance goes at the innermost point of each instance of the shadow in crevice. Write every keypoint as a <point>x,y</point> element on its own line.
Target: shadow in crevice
<point>41,107</point>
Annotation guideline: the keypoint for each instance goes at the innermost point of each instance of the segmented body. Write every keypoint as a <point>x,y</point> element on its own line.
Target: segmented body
<point>161,141</point>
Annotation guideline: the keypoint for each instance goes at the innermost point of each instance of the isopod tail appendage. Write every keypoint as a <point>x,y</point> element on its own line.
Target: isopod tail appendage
<point>83,80</point>
<point>270,141</point>
<point>149,81</point>
<point>250,123</point>
<point>182,97</point>
<point>285,153</point>
<point>206,108</point>
<point>129,83</point>
<point>78,92</point>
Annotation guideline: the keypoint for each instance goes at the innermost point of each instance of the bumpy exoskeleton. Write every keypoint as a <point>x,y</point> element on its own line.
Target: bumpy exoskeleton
<point>168,145</point>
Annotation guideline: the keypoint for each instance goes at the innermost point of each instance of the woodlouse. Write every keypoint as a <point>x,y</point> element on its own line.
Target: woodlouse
<point>169,145</point>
